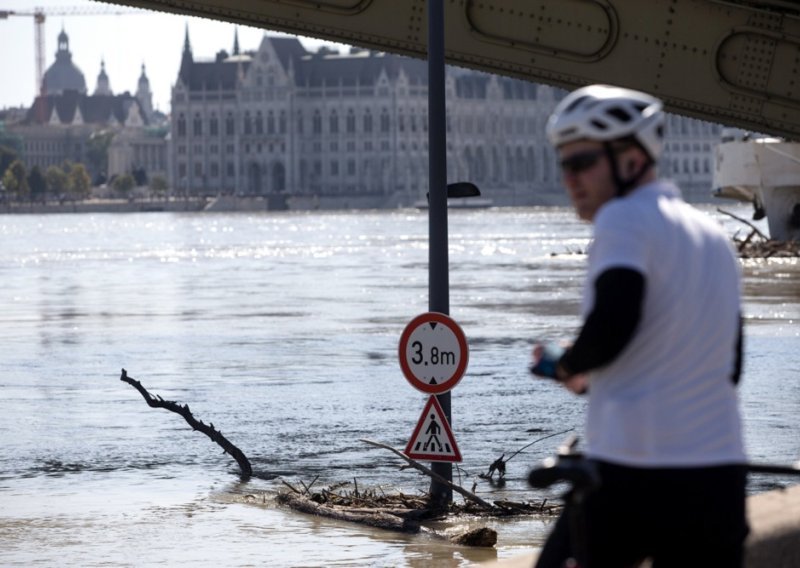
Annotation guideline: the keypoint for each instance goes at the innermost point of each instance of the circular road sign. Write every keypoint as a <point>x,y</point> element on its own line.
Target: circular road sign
<point>433,353</point>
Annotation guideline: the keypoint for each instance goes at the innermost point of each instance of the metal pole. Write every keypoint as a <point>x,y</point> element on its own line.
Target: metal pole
<point>438,278</point>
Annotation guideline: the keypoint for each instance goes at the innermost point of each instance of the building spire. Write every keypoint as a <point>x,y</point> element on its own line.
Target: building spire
<point>186,60</point>
<point>144,94</point>
<point>236,41</point>
<point>187,47</point>
<point>103,84</point>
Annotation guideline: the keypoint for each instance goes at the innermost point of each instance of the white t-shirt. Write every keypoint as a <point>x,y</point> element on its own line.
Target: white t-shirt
<point>668,400</point>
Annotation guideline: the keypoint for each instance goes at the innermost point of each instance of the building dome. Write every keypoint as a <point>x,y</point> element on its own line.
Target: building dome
<point>63,75</point>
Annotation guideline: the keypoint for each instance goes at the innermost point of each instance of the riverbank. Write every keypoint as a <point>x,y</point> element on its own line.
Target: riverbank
<point>106,206</point>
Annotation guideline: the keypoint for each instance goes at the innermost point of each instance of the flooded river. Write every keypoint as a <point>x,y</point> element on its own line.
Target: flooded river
<point>282,330</point>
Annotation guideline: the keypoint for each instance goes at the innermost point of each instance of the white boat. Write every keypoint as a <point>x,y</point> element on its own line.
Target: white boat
<point>765,172</point>
<point>460,203</point>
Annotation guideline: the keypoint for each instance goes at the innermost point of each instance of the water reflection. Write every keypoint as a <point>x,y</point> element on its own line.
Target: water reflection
<point>283,330</point>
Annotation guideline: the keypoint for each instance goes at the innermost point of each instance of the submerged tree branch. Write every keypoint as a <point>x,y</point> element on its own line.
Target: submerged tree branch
<point>746,222</point>
<point>416,465</point>
<point>207,429</point>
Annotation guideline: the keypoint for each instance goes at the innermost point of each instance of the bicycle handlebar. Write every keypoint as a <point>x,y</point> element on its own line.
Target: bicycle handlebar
<point>573,468</point>
<point>582,474</point>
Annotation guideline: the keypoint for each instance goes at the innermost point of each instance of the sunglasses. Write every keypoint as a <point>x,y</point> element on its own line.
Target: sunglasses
<point>581,161</point>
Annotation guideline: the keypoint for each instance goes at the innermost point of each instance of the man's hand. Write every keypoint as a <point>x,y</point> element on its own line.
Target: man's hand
<point>545,364</point>
<point>579,384</point>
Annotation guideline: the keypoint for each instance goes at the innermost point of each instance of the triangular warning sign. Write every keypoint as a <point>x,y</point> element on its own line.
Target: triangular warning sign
<point>432,439</point>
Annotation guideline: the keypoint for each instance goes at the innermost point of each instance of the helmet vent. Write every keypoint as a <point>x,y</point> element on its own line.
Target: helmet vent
<point>575,103</point>
<point>568,131</point>
<point>620,114</point>
<point>599,125</point>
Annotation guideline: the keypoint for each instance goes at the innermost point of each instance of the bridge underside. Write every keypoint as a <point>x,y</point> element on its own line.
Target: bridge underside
<point>734,62</point>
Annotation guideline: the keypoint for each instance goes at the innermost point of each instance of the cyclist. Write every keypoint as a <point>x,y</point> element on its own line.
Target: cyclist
<point>659,351</point>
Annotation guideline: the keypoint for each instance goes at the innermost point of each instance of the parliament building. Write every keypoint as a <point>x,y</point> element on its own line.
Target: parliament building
<point>351,129</point>
<point>321,129</point>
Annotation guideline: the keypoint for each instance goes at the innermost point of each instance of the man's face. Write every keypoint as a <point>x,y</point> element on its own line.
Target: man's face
<point>587,177</point>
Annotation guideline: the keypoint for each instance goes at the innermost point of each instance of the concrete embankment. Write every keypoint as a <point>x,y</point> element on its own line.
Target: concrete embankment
<point>105,206</point>
<point>774,540</point>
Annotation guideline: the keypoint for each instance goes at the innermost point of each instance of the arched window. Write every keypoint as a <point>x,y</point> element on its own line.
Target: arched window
<point>334,123</point>
<point>519,164</point>
<point>300,123</point>
<point>350,125</point>
<point>510,170</point>
<point>530,165</point>
<point>270,122</point>
<point>367,121</point>
<point>230,124</point>
<point>282,122</point>
<point>181,125</point>
<point>480,165</point>
<point>385,123</point>
<point>197,125</point>
<point>259,123</point>
<point>213,125</point>
<point>470,163</point>
<point>496,173</point>
<point>317,123</point>
<point>248,123</point>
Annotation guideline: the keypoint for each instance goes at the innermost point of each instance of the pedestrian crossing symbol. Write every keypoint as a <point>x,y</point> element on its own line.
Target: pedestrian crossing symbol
<point>432,439</point>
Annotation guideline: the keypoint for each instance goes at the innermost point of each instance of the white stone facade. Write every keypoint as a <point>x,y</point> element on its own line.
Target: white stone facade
<point>352,129</point>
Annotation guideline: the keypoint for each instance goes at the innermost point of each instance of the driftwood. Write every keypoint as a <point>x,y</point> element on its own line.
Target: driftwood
<point>398,520</point>
<point>745,221</point>
<point>371,517</point>
<point>207,429</point>
<point>758,245</point>
<point>427,471</point>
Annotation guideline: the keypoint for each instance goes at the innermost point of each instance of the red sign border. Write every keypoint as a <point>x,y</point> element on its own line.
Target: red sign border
<point>450,383</point>
<point>433,402</point>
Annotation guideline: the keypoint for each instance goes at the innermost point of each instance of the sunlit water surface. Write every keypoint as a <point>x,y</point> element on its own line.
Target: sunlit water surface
<point>282,330</point>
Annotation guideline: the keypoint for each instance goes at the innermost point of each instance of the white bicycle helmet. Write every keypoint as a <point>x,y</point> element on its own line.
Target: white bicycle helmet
<point>605,113</point>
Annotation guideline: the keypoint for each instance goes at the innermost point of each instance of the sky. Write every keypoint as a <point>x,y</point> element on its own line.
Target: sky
<point>123,41</point>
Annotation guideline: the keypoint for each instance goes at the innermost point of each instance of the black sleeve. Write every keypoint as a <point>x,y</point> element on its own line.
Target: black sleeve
<point>737,365</point>
<point>619,294</point>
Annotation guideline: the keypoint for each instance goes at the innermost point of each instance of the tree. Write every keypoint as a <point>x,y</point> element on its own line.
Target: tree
<point>159,185</point>
<point>79,182</point>
<point>38,184</point>
<point>7,156</point>
<point>97,151</point>
<point>124,184</point>
<point>140,175</point>
<point>57,181</point>
<point>15,180</point>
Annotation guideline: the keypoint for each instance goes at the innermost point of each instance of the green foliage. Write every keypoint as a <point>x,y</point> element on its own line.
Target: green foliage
<point>80,186</point>
<point>124,184</point>
<point>15,180</point>
<point>97,150</point>
<point>7,156</point>
<point>159,185</point>
<point>37,184</point>
<point>57,181</point>
<point>140,175</point>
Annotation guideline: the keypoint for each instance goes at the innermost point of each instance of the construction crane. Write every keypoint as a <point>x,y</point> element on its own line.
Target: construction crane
<point>41,14</point>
